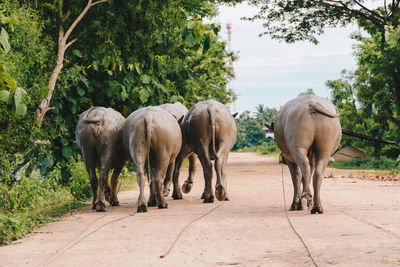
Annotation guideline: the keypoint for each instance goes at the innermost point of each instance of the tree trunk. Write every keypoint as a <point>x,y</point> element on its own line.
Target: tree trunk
<point>63,45</point>
<point>44,106</point>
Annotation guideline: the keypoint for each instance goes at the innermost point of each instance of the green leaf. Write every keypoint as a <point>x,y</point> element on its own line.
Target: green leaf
<point>20,109</point>
<point>95,65</point>
<point>191,24</point>
<point>12,84</point>
<point>146,79</point>
<point>18,96</point>
<point>4,40</point>
<point>138,69</point>
<point>66,152</point>
<point>4,96</point>
<point>190,39</point>
<point>80,91</point>
<point>174,99</point>
<point>4,19</point>
<point>144,95</point>
<point>124,94</point>
<point>77,53</point>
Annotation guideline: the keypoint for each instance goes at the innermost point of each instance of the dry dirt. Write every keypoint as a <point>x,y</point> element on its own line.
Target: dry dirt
<point>360,226</point>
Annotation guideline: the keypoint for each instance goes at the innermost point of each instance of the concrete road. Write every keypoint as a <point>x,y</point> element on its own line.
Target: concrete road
<point>360,227</point>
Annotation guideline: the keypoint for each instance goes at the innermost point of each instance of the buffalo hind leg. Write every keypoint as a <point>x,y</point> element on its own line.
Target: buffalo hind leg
<point>320,167</point>
<point>296,179</point>
<point>208,195</point>
<point>113,198</point>
<point>141,182</point>
<point>177,193</point>
<point>93,184</point>
<point>158,183</point>
<point>103,177</point>
<point>220,189</point>
<point>187,186</point>
<point>304,165</point>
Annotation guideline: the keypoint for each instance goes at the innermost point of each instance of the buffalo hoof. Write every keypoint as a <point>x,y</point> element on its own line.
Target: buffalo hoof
<point>226,197</point>
<point>142,208</point>
<point>166,192</point>
<point>220,193</point>
<point>177,195</point>
<point>100,206</point>
<point>203,196</point>
<point>187,186</point>
<point>209,199</point>
<point>114,202</point>
<point>296,206</point>
<point>163,205</point>
<point>152,202</point>
<point>317,210</point>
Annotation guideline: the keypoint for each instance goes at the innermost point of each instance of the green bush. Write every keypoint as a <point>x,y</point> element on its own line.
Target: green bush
<point>30,201</point>
<point>382,163</point>
<point>80,183</point>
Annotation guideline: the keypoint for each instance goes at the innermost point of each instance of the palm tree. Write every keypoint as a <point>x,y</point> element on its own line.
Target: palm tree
<point>261,112</point>
<point>264,114</point>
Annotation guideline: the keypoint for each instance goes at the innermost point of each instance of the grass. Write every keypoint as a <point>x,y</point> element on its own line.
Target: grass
<point>268,148</point>
<point>33,201</point>
<point>17,220</point>
<point>367,164</point>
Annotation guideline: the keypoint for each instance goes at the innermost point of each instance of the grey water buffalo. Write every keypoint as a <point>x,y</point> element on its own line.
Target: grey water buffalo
<point>152,137</point>
<point>209,130</point>
<point>308,132</point>
<point>98,138</point>
<point>179,110</point>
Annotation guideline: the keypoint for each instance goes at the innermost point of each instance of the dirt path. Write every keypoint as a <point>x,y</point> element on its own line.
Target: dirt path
<point>360,227</point>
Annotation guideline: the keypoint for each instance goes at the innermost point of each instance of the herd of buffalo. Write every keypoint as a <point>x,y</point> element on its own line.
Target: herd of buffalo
<point>157,140</point>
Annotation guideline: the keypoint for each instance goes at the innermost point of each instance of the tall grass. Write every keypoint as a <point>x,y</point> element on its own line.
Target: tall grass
<point>34,200</point>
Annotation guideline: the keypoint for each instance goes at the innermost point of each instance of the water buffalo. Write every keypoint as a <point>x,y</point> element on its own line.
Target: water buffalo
<point>98,137</point>
<point>209,130</point>
<point>179,111</point>
<point>307,130</point>
<point>152,137</point>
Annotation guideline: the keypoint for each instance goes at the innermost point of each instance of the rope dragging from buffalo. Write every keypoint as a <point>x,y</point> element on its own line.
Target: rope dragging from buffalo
<point>78,239</point>
<point>184,229</point>
<point>291,225</point>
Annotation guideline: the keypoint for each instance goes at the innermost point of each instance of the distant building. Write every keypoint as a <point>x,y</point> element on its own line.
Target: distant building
<point>269,135</point>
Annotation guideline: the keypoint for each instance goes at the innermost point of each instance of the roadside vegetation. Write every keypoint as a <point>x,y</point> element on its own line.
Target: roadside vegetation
<point>34,200</point>
<point>382,163</point>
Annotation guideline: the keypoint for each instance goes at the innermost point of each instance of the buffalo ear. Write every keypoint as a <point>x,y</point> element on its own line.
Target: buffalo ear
<point>270,126</point>
<point>180,119</point>
<point>235,114</point>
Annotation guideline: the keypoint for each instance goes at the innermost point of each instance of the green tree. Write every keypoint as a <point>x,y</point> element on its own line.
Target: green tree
<point>309,91</point>
<point>126,55</point>
<point>23,65</point>
<point>255,134</point>
<point>264,114</point>
<point>294,20</point>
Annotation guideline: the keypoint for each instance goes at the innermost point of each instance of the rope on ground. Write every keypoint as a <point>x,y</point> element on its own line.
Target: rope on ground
<point>291,225</point>
<point>364,221</point>
<point>184,229</point>
<point>80,238</point>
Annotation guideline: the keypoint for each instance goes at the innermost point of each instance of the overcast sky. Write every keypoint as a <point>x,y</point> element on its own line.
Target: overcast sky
<point>270,72</point>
